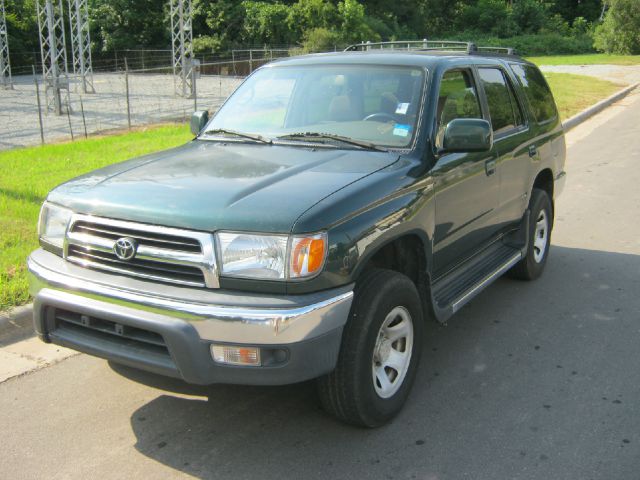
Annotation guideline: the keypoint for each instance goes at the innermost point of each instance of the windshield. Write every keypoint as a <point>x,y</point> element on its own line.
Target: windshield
<point>377,105</point>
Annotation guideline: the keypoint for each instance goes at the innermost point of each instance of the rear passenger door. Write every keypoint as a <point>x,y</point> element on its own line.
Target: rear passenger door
<point>512,142</point>
<point>466,184</point>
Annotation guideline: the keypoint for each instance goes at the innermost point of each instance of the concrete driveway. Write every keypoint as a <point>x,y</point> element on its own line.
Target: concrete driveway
<point>530,381</point>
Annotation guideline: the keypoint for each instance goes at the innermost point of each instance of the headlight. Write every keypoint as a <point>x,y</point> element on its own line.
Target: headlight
<point>253,256</point>
<point>270,257</point>
<point>52,226</point>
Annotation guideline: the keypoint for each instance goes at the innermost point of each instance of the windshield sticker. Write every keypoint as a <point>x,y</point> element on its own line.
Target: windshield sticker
<point>401,130</point>
<point>402,108</point>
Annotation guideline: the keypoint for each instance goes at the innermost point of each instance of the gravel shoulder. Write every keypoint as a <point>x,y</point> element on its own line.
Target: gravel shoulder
<point>151,100</point>
<point>624,75</point>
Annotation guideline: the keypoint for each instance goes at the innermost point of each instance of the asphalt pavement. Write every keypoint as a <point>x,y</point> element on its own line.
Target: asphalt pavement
<point>533,380</point>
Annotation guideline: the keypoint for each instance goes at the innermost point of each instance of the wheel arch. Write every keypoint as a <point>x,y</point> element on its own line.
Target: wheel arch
<point>545,181</point>
<point>406,253</point>
<point>395,253</point>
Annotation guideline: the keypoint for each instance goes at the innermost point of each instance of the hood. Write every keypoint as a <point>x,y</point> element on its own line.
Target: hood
<point>209,186</point>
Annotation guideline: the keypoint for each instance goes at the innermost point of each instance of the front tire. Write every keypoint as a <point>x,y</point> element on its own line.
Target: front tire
<point>380,351</point>
<point>540,224</point>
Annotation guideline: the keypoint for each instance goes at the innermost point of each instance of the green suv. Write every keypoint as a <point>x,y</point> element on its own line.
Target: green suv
<point>330,206</point>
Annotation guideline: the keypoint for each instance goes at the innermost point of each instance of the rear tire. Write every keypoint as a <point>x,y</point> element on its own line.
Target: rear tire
<point>380,351</point>
<point>540,224</point>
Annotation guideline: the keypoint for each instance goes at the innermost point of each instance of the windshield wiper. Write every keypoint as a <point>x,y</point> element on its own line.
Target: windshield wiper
<point>331,136</point>
<point>235,133</point>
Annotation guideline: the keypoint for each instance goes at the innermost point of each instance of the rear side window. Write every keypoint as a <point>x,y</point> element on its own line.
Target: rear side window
<point>537,91</point>
<point>503,106</point>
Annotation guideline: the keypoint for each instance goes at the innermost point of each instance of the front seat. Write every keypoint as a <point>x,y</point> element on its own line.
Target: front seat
<point>341,109</point>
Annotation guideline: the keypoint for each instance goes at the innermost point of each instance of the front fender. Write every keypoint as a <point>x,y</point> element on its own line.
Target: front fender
<point>410,211</point>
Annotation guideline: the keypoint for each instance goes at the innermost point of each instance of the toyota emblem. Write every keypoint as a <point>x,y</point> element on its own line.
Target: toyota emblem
<point>125,248</point>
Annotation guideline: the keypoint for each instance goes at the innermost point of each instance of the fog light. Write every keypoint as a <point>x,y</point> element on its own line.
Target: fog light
<point>236,355</point>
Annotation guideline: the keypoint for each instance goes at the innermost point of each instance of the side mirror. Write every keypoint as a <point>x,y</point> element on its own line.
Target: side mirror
<point>198,121</point>
<point>466,135</point>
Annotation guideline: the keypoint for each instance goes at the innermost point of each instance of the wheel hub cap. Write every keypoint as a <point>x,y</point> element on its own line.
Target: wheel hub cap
<point>383,350</point>
<point>392,352</point>
<point>540,236</point>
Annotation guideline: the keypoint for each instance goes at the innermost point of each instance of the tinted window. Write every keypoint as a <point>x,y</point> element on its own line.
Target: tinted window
<point>458,97</point>
<point>503,107</point>
<point>537,91</point>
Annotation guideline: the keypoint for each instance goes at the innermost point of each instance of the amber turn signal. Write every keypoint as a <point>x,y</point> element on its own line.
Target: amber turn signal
<point>307,255</point>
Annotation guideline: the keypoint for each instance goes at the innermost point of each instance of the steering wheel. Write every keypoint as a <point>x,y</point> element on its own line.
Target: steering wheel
<point>379,117</point>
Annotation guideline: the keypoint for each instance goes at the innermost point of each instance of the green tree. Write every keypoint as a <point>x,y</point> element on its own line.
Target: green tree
<point>307,15</point>
<point>354,26</point>
<point>217,25</point>
<point>441,17</point>
<point>620,30</point>
<point>487,16</point>
<point>321,40</point>
<point>529,15</point>
<point>571,9</point>
<point>266,23</point>
<point>122,24</point>
<point>22,33</point>
<point>220,25</point>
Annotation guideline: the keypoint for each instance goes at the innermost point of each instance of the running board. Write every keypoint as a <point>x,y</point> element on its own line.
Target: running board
<point>459,287</point>
<point>467,297</point>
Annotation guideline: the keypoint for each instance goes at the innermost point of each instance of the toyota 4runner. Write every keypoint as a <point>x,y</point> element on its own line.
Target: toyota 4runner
<point>329,207</point>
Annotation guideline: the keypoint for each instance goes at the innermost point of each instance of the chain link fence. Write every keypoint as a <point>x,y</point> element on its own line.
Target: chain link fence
<point>125,98</point>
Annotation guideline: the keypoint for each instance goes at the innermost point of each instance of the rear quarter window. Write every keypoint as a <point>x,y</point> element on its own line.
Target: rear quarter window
<point>537,92</point>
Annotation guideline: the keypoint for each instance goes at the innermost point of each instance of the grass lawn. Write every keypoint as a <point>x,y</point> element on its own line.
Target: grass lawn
<point>574,93</point>
<point>27,175</point>
<point>588,59</point>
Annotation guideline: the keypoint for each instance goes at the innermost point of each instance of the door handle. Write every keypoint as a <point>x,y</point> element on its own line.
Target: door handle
<point>490,167</point>
<point>533,151</point>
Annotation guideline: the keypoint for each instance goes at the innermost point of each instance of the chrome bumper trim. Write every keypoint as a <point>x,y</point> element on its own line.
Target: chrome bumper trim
<point>247,324</point>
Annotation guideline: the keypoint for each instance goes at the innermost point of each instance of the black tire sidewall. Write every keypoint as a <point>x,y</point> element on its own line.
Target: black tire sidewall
<point>393,290</point>
<point>539,201</point>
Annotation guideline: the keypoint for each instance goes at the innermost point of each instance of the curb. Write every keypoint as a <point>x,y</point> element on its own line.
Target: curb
<point>589,112</point>
<point>18,318</point>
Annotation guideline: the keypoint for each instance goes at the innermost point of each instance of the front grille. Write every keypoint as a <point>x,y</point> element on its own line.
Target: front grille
<point>127,334</point>
<point>163,272</point>
<point>182,244</point>
<point>163,254</point>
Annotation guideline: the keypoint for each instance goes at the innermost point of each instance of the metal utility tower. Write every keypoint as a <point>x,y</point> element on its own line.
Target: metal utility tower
<point>54,55</point>
<point>81,44</point>
<point>5,66</point>
<point>181,46</point>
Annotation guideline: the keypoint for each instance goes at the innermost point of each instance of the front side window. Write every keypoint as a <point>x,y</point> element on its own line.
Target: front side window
<point>375,104</point>
<point>503,107</point>
<point>537,92</point>
<point>458,97</point>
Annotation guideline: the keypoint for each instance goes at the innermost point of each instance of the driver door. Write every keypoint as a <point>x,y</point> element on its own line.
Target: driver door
<point>466,184</point>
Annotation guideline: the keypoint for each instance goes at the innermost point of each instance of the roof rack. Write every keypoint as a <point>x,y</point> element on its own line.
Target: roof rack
<point>430,45</point>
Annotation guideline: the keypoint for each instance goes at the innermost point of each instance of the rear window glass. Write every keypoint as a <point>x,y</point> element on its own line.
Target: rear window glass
<point>537,91</point>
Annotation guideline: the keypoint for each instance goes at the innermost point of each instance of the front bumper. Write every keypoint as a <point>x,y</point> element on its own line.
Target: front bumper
<point>169,330</point>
